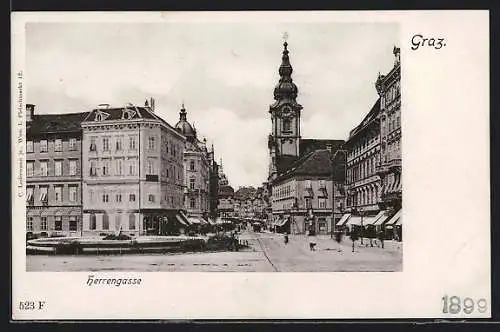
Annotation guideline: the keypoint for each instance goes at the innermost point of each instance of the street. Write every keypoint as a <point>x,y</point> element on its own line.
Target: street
<point>267,252</point>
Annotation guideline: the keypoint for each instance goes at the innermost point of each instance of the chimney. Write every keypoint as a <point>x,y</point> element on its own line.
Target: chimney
<point>103,106</point>
<point>152,104</point>
<point>30,112</point>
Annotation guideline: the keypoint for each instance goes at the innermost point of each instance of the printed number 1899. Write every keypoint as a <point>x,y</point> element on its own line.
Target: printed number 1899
<point>454,305</point>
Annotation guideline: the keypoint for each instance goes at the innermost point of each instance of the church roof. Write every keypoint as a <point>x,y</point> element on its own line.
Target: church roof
<point>307,145</point>
<point>315,163</point>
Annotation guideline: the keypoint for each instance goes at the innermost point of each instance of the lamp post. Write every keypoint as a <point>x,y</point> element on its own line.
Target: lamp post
<point>335,166</point>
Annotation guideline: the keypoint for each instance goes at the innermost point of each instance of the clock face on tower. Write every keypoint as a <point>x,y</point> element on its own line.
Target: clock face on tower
<point>287,112</point>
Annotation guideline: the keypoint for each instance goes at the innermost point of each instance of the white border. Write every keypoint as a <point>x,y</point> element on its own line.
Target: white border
<point>445,122</point>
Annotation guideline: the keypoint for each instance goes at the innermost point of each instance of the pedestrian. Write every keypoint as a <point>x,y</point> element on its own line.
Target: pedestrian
<point>381,238</point>
<point>286,238</point>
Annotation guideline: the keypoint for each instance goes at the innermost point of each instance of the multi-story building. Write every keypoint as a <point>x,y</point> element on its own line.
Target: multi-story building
<point>303,196</point>
<point>389,88</point>
<point>53,170</point>
<point>363,154</point>
<point>196,170</point>
<point>374,158</point>
<point>300,170</point>
<point>133,172</point>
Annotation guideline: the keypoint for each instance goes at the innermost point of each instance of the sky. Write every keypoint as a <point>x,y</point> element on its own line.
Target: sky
<point>224,73</point>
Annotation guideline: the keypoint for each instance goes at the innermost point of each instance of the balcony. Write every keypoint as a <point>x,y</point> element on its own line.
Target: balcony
<point>381,170</point>
<point>395,165</point>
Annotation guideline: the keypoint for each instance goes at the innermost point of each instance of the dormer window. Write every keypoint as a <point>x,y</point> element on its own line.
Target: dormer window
<point>128,114</point>
<point>101,116</point>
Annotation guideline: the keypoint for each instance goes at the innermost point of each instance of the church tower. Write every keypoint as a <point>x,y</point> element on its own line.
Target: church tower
<point>283,142</point>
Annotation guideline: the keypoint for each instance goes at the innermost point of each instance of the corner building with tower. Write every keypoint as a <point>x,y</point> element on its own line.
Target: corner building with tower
<point>305,189</point>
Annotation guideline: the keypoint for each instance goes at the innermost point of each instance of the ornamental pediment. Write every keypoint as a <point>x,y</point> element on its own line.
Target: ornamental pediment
<point>101,116</point>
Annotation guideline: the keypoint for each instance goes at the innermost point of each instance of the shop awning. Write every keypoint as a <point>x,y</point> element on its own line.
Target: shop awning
<point>283,222</point>
<point>380,218</point>
<point>194,221</point>
<point>396,219</point>
<point>344,219</point>
<point>369,220</point>
<point>397,187</point>
<point>357,220</point>
<point>354,220</point>
<point>181,220</point>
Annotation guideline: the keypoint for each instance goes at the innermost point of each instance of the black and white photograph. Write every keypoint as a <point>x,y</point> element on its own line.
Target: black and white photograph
<point>154,152</point>
<point>213,147</point>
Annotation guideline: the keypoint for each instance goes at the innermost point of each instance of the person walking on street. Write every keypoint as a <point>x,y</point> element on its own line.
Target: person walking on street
<point>286,238</point>
<point>381,238</point>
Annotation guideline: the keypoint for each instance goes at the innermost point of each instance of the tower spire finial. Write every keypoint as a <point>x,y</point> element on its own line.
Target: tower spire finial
<point>182,113</point>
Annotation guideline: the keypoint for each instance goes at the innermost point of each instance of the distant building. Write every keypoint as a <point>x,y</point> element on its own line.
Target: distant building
<point>133,172</point>
<point>196,170</point>
<point>301,170</point>
<point>53,170</point>
<point>213,184</point>
<point>225,207</point>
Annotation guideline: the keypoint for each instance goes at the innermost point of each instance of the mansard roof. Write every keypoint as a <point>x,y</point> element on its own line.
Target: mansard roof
<point>55,123</point>
<point>125,113</point>
<point>367,120</point>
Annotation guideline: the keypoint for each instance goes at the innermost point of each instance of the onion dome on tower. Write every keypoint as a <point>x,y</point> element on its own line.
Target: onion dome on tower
<point>285,87</point>
<point>183,126</point>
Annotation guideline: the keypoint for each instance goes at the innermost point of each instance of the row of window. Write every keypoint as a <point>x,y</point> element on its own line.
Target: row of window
<point>392,93</point>
<point>368,196</point>
<point>390,124</point>
<point>58,196</point>
<point>118,143</point>
<point>360,147</point>
<point>393,151</point>
<point>57,226</point>
<point>322,204</point>
<point>105,225</point>
<point>362,170</point>
<point>57,170</point>
<point>58,145</point>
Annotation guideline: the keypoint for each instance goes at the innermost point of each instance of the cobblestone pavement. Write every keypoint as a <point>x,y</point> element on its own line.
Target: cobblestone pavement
<point>267,253</point>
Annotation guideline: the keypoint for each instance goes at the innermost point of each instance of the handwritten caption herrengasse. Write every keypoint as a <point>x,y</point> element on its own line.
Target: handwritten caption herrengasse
<point>420,40</point>
<point>94,281</point>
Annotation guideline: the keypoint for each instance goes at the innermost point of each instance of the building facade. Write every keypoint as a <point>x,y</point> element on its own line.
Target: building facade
<point>363,183</point>
<point>374,161</point>
<point>306,199</point>
<point>390,167</point>
<point>196,170</point>
<point>133,172</point>
<point>53,170</point>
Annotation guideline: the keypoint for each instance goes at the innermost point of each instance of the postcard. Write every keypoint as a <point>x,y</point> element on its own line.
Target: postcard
<point>250,165</point>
